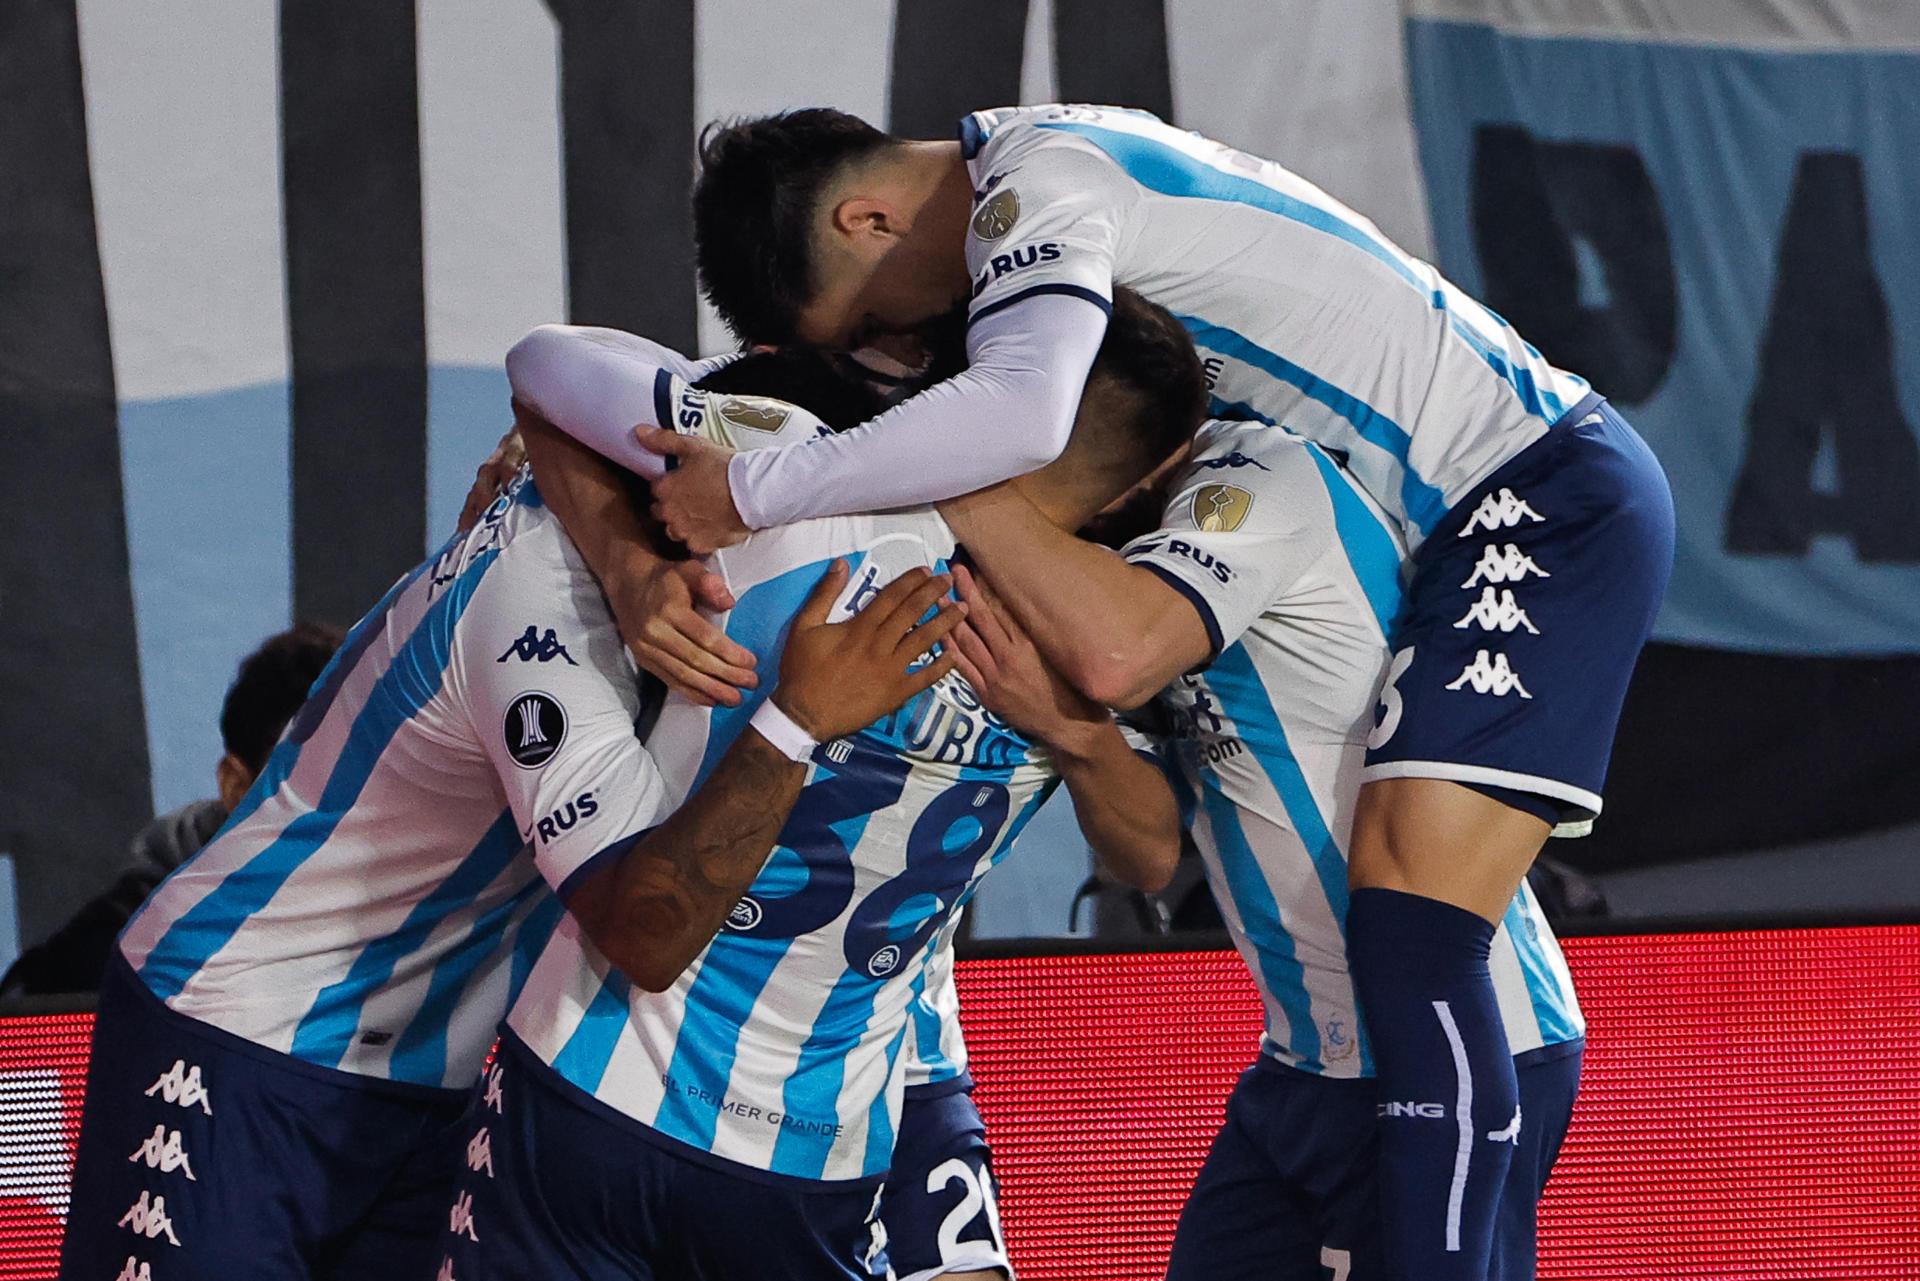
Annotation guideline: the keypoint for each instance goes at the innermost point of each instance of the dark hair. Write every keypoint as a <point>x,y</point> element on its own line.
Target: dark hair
<point>1149,353</point>
<point>800,376</point>
<point>753,207</point>
<point>271,685</point>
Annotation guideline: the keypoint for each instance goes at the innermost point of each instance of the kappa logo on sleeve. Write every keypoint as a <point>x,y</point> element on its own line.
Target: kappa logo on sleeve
<point>532,647</point>
<point>996,217</point>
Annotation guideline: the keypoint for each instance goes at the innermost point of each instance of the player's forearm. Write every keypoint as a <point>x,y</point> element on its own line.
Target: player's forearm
<point>1125,807</point>
<point>1010,412</point>
<point>1114,630</point>
<point>596,385</point>
<point>660,905</point>
<point>591,498</point>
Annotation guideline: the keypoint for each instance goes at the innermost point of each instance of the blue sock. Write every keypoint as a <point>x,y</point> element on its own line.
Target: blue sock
<point>1439,1048</point>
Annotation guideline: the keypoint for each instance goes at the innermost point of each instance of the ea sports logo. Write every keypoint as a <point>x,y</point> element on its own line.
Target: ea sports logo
<point>745,915</point>
<point>535,727</point>
<point>884,962</point>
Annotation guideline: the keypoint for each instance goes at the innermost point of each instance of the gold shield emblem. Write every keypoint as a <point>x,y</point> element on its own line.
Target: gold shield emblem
<point>753,413</point>
<point>1221,509</point>
<point>996,218</point>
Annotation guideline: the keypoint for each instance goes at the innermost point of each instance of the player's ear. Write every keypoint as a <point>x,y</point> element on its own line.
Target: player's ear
<point>860,217</point>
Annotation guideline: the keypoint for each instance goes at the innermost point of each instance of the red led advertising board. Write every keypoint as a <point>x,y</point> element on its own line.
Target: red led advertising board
<point>1750,1107</point>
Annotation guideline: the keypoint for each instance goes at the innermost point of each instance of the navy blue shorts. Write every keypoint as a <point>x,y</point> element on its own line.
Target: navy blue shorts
<point>206,1157</point>
<point>558,1186</point>
<point>1527,609</point>
<point>1288,1192</point>
<point>940,1207</point>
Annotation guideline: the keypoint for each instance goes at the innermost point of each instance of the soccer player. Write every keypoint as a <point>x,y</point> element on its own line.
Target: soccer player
<point>765,1085</point>
<point>286,1037</point>
<point>1539,526</point>
<point>1259,613</point>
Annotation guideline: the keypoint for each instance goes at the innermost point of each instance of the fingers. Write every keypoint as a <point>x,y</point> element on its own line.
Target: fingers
<point>985,616</point>
<point>691,640</point>
<point>931,674</point>
<point>910,606</point>
<point>658,440</point>
<point>881,608</point>
<point>976,661</point>
<point>921,639</point>
<point>691,684</point>
<point>820,603</point>
<point>968,672</point>
<point>710,590</point>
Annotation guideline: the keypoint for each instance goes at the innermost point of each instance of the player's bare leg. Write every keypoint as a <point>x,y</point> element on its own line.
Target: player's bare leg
<point>1433,866</point>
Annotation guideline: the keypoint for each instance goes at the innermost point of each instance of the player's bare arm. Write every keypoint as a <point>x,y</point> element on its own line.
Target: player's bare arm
<point>654,909</point>
<point>1124,804</point>
<point>1116,631</point>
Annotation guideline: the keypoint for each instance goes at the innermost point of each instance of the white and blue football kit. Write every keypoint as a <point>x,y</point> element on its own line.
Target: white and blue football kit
<point>1296,574</point>
<point>329,971</point>
<point>1307,316</point>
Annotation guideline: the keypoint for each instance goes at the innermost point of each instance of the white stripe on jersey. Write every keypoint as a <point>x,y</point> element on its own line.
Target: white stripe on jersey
<point>1306,313</point>
<point>1299,572</point>
<point>371,906</point>
<point>783,1047</point>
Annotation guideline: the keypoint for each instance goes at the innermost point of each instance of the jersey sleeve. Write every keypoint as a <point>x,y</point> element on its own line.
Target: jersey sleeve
<point>1048,214</point>
<point>550,697</point>
<point>1247,518</point>
<point>596,385</point>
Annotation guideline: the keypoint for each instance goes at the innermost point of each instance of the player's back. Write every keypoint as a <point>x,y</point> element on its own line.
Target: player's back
<point>782,1046</point>
<point>1300,572</point>
<point>368,906</point>
<point>1304,312</point>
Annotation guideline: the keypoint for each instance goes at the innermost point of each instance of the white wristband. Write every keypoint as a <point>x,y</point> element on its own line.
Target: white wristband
<point>783,732</point>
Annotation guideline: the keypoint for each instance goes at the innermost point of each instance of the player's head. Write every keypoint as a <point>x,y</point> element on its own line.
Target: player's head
<point>269,688</point>
<point>803,226</point>
<point>812,380</point>
<point>1144,399</point>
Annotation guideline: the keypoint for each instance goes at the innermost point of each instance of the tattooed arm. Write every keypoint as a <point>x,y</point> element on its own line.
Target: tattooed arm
<point>654,908</point>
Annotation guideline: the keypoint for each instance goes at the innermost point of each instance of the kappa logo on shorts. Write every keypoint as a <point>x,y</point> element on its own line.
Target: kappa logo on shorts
<point>754,413</point>
<point>480,1152</point>
<point>446,1269</point>
<point>1512,1132</point>
<point>180,1085</point>
<point>1221,509</point>
<point>1490,675</point>
<point>535,727</point>
<point>1503,565</point>
<point>164,1151</point>
<point>460,1218</point>
<point>1497,613</point>
<point>135,1271</point>
<point>996,217</point>
<point>148,1218</point>
<point>496,1098</point>
<point>1502,511</point>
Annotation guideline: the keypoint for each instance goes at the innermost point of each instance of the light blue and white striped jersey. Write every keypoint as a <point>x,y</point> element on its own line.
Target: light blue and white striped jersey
<point>1297,575</point>
<point>936,1045</point>
<point>1303,311</point>
<point>782,1047</point>
<point>377,899</point>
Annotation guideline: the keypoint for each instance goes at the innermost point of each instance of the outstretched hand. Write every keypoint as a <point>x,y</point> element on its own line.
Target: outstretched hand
<point>693,501</point>
<point>836,678</point>
<point>1016,683</point>
<point>658,607</point>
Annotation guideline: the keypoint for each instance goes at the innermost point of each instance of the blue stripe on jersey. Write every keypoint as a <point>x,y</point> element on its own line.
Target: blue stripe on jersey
<point>1170,171</point>
<point>1259,914</point>
<point>1235,680</point>
<point>1543,988</point>
<point>1369,545</point>
<point>813,1091</point>
<point>927,1049</point>
<point>411,679</point>
<point>421,1052</point>
<point>880,1133</point>
<point>332,1019</point>
<point>583,1059</point>
<point>1424,504</point>
<point>535,933</point>
<point>736,970</point>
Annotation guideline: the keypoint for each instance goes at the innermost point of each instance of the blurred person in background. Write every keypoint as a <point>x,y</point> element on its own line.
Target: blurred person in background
<point>268,689</point>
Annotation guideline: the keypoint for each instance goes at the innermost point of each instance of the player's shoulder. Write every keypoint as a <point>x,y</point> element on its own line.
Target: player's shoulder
<point>1254,455</point>
<point>1047,145</point>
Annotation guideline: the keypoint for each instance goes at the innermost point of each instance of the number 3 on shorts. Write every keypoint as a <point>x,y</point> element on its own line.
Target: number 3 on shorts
<point>1391,704</point>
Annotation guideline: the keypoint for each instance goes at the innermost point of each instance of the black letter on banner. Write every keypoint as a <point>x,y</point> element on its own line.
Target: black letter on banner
<point>74,775</point>
<point>1826,363</point>
<point>949,59</point>
<point>356,311</point>
<point>626,100</point>
<point>1114,51</point>
<point>1535,204</point>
